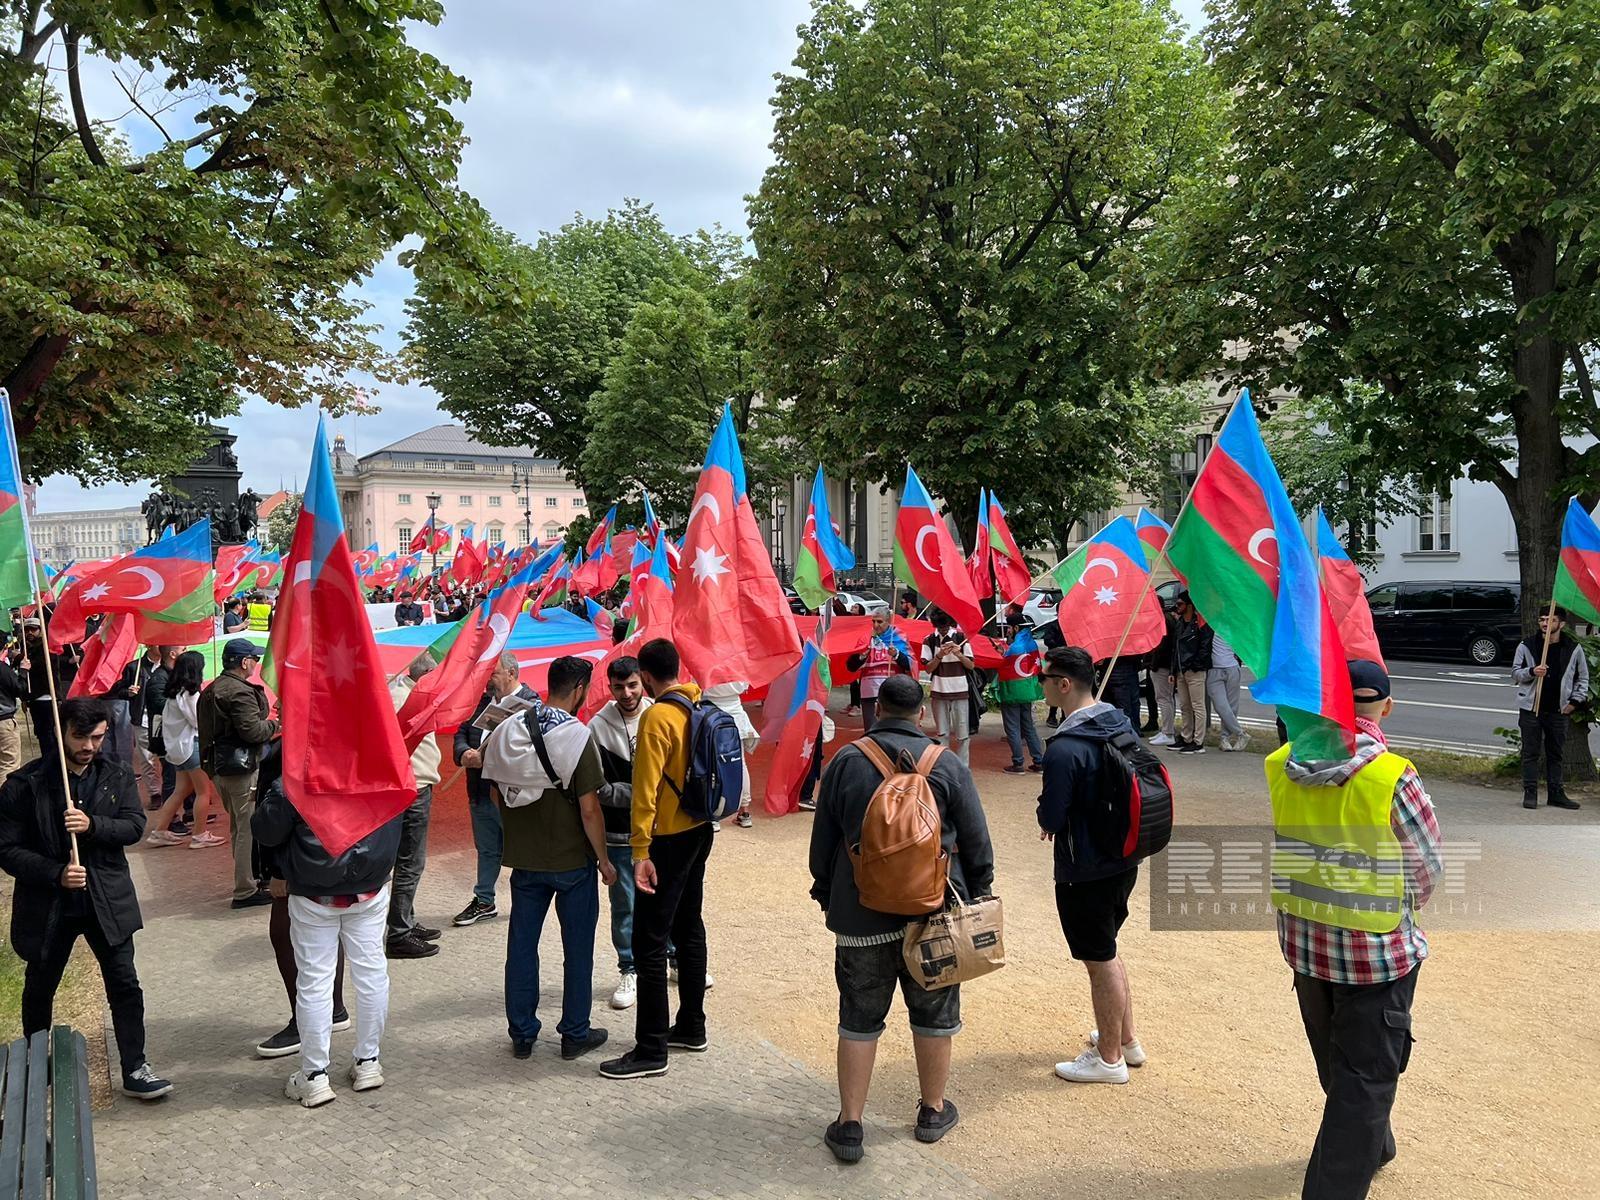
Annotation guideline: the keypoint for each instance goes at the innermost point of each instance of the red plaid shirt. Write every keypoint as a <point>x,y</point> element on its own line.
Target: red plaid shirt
<point>1338,955</point>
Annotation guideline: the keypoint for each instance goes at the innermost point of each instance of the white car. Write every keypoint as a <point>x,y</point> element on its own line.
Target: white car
<point>870,605</point>
<point>1040,607</point>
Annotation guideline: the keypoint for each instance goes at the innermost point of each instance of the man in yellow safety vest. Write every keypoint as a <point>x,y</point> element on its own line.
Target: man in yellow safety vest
<point>1356,851</point>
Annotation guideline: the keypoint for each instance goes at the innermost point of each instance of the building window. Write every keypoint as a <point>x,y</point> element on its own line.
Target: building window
<point>1433,524</point>
<point>494,501</point>
<point>552,531</point>
<point>550,501</point>
<point>404,534</point>
<point>464,501</point>
<point>403,498</point>
<point>522,536</point>
<point>496,534</point>
<point>577,502</point>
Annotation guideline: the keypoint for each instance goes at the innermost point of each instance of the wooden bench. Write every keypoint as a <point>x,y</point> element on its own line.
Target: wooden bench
<point>46,1142</point>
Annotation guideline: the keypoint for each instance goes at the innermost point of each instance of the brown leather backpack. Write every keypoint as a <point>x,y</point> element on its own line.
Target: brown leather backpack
<point>900,863</point>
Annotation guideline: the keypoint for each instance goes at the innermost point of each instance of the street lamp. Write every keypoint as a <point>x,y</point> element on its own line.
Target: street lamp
<point>433,499</point>
<point>522,487</point>
<point>777,537</point>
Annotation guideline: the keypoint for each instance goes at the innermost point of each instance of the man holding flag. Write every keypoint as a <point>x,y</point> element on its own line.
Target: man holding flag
<point>1552,677</point>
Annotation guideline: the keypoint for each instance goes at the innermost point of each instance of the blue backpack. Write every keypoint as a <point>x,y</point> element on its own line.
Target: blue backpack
<point>715,780</point>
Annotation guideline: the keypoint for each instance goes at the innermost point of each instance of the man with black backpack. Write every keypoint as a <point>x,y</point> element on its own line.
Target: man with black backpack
<point>1087,810</point>
<point>869,897</point>
<point>688,770</point>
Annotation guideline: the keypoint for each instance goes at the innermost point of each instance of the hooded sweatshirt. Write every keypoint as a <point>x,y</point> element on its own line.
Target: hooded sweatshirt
<point>1071,775</point>
<point>615,736</point>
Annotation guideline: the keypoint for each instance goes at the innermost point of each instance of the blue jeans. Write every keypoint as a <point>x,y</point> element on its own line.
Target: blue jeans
<point>621,894</point>
<point>1018,719</point>
<point>489,838</point>
<point>577,897</point>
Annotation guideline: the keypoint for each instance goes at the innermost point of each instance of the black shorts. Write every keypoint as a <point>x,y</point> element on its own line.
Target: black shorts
<point>867,977</point>
<point>1092,913</point>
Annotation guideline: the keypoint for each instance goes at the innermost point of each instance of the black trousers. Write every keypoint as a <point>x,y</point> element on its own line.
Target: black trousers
<point>123,992</point>
<point>672,914</point>
<point>1546,733</point>
<point>1360,1036</point>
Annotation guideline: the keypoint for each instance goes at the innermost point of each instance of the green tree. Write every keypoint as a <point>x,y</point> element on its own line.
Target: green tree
<point>281,522</point>
<point>521,367</point>
<point>1408,200</point>
<point>285,148</point>
<point>958,189</point>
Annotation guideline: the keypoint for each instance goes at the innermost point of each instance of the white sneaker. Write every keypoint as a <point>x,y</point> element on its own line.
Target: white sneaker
<point>364,1076</point>
<point>1132,1052</point>
<point>1162,739</point>
<point>627,991</point>
<point>1089,1067</point>
<point>163,837</point>
<point>672,977</point>
<point>1242,742</point>
<point>310,1092</point>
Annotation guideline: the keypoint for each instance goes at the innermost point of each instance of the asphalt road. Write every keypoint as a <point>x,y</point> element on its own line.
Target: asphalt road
<point>1438,705</point>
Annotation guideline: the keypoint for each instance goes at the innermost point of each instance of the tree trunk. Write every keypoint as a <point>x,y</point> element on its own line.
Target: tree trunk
<point>1578,766</point>
<point>29,375</point>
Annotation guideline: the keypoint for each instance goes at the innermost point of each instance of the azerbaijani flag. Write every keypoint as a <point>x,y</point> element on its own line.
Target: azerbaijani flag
<point>1106,599</point>
<point>978,560</point>
<point>656,532</point>
<point>1017,680</point>
<point>601,534</point>
<point>167,587</point>
<point>1153,532</point>
<point>1577,587</point>
<point>942,579</point>
<point>1253,577</point>
<point>797,703</point>
<point>651,597</point>
<point>823,553</point>
<point>1010,568</point>
<point>16,584</point>
<point>1346,592</point>
<point>345,768</point>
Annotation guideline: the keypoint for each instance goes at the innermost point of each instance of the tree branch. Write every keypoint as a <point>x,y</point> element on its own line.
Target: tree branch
<point>134,100</point>
<point>79,113</point>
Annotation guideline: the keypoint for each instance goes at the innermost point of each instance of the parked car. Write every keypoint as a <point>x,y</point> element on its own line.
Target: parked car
<point>1481,621</point>
<point>796,605</point>
<point>867,603</point>
<point>1040,606</point>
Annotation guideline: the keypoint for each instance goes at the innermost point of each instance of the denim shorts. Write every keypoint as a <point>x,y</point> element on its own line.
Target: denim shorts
<point>867,976</point>
<point>188,764</point>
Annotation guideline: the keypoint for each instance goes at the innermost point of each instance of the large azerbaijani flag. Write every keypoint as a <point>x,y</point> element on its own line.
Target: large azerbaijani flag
<point>823,553</point>
<point>1253,577</point>
<point>1577,587</point>
<point>167,586</point>
<point>1107,605</point>
<point>16,585</point>
<point>927,558</point>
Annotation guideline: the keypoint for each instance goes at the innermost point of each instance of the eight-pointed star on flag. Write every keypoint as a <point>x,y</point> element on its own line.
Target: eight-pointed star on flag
<point>95,590</point>
<point>1105,595</point>
<point>340,662</point>
<point>708,564</point>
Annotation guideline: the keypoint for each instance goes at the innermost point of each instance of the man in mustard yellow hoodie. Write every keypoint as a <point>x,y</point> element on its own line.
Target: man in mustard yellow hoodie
<point>670,849</point>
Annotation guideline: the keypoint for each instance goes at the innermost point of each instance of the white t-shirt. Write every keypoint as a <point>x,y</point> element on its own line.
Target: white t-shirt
<point>1222,654</point>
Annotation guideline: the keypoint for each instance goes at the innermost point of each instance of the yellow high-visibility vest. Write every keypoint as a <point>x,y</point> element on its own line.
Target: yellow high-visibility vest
<point>260,617</point>
<point>1335,858</point>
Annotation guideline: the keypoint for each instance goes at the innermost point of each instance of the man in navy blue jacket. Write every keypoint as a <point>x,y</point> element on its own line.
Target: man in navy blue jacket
<point>1091,889</point>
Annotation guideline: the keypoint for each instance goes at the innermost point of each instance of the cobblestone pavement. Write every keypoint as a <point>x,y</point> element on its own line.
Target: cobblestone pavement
<point>458,1116</point>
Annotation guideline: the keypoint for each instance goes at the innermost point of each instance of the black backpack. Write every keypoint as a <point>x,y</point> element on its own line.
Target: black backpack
<point>715,782</point>
<point>1130,817</point>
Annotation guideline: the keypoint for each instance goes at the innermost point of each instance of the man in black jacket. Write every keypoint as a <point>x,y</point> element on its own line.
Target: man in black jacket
<point>487,834</point>
<point>1091,890</point>
<point>13,691</point>
<point>867,954</point>
<point>131,692</point>
<point>334,903</point>
<point>57,902</point>
<point>1191,664</point>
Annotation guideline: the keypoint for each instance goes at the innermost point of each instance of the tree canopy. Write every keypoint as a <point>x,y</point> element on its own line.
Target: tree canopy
<point>1408,200</point>
<point>163,259</point>
<point>958,193</point>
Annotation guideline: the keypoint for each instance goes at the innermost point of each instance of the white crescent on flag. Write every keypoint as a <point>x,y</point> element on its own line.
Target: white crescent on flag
<point>916,547</point>
<point>706,500</point>
<point>1027,664</point>
<point>497,641</point>
<point>1097,562</point>
<point>157,585</point>
<point>1257,540</point>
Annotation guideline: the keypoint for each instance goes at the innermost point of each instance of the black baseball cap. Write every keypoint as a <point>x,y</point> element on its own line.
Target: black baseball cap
<point>239,649</point>
<point>1369,682</point>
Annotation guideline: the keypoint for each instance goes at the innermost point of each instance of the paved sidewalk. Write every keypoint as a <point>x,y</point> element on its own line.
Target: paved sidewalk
<point>458,1115</point>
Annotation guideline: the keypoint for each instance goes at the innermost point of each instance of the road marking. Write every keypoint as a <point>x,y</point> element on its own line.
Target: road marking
<point>1453,679</point>
<point>1454,707</point>
<point>1404,741</point>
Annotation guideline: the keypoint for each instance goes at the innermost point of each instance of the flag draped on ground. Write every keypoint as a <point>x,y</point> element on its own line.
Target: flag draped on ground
<point>346,769</point>
<point>927,558</point>
<point>730,621</point>
<point>1105,589</point>
<point>978,560</point>
<point>166,587</point>
<point>1252,575</point>
<point>1153,533</point>
<point>795,707</point>
<point>823,553</point>
<point>1012,578</point>
<point>1577,586</point>
<point>1346,592</point>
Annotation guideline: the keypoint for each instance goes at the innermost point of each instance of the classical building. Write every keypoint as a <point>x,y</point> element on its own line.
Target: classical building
<point>87,536</point>
<point>507,494</point>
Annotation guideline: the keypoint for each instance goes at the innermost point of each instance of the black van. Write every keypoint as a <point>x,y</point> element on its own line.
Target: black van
<point>1438,619</point>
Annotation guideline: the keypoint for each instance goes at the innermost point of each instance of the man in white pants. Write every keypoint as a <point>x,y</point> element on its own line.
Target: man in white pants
<point>332,901</point>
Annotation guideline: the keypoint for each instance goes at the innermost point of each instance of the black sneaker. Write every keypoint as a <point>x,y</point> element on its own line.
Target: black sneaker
<point>521,1047</point>
<point>475,912</point>
<point>683,1041</point>
<point>145,1084</point>
<point>808,806</point>
<point>427,934</point>
<point>179,828</point>
<point>1191,748</point>
<point>410,946</point>
<point>1530,798</point>
<point>931,1125</point>
<point>1016,769</point>
<point>341,1021</point>
<point>1179,746</point>
<point>1565,802</point>
<point>844,1138</point>
<point>285,1041</point>
<point>572,1048</point>
<point>254,900</point>
<point>631,1066</point>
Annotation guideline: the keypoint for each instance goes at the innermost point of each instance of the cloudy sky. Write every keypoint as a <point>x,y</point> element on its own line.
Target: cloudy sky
<point>574,107</point>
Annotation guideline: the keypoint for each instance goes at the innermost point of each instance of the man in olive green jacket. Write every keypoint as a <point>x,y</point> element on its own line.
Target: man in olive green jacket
<point>234,727</point>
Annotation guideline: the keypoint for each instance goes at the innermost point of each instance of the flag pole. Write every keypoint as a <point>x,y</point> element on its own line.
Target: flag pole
<point>1544,654</point>
<point>44,633</point>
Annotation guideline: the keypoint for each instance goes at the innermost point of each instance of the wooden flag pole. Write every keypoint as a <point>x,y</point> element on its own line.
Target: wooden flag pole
<point>1544,655</point>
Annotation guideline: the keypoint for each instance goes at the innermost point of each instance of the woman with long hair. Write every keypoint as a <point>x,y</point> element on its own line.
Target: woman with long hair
<point>180,730</point>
